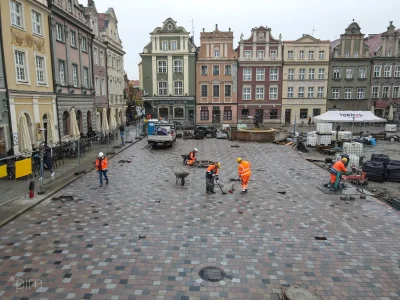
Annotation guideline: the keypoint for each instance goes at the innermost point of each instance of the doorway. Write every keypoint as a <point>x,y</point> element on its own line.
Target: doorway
<point>191,116</point>
<point>216,116</point>
<point>259,115</point>
<point>288,113</point>
<point>163,112</point>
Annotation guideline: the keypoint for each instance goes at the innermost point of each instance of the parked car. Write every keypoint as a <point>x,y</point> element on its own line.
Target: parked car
<point>163,135</point>
<point>209,131</point>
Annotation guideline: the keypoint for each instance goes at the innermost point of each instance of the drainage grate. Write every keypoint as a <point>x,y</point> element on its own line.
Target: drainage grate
<point>212,274</point>
<point>320,238</point>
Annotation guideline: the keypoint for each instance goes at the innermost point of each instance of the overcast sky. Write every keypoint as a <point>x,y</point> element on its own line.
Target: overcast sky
<point>291,18</point>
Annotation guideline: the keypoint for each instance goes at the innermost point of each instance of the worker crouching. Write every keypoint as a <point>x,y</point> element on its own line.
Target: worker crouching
<point>211,175</point>
<point>337,170</point>
<point>192,157</point>
<point>244,171</point>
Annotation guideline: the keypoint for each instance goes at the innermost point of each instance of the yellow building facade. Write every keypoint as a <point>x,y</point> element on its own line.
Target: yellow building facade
<point>28,66</point>
<point>305,79</point>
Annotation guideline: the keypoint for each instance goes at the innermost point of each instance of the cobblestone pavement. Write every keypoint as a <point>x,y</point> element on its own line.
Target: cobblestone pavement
<point>144,237</point>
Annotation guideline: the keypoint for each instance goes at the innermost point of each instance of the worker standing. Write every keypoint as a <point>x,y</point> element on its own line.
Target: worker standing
<point>211,175</point>
<point>337,170</point>
<point>102,167</point>
<point>192,157</point>
<point>244,171</point>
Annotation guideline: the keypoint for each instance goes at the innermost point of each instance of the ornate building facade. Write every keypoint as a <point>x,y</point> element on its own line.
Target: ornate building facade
<point>168,72</point>
<point>72,63</point>
<point>26,45</point>
<point>305,78</point>
<point>259,77</point>
<point>5,125</point>
<point>216,78</point>
<point>385,72</point>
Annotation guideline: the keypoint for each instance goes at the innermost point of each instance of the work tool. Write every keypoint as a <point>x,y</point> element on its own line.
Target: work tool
<point>224,193</point>
<point>234,182</point>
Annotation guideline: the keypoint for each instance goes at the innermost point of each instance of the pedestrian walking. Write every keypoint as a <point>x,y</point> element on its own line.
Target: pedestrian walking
<point>309,121</point>
<point>244,173</point>
<point>211,175</point>
<point>47,165</point>
<point>102,167</point>
<point>122,133</point>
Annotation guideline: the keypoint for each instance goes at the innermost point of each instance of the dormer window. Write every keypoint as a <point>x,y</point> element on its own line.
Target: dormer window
<point>169,27</point>
<point>70,6</point>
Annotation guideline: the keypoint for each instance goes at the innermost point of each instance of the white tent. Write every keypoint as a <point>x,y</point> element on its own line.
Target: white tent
<point>341,116</point>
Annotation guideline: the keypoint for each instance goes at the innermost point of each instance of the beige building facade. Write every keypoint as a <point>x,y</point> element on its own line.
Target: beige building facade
<point>305,78</point>
<point>25,32</point>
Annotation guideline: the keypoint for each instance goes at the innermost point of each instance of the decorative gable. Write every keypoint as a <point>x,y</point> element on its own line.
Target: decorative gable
<point>216,81</point>
<point>353,28</point>
<point>169,26</point>
<point>306,38</point>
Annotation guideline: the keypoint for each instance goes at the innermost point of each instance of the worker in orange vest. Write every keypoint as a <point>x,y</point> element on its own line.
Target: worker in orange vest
<point>102,167</point>
<point>192,157</point>
<point>337,170</point>
<point>211,175</point>
<point>244,173</point>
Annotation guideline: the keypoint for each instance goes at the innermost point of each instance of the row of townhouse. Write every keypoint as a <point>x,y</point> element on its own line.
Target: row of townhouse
<point>57,56</point>
<point>265,77</point>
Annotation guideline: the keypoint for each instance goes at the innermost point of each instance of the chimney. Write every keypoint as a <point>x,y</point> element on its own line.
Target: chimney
<point>90,2</point>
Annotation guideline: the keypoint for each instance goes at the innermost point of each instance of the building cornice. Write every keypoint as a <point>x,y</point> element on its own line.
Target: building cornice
<point>17,93</point>
<point>56,10</point>
<point>115,49</point>
<point>309,63</point>
<point>40,5</point>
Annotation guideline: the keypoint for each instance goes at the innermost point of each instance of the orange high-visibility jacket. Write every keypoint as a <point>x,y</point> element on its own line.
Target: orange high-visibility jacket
<point>192,155</point>
<point>104,164</point>
<point>244,168</point>
<point>212,169</point>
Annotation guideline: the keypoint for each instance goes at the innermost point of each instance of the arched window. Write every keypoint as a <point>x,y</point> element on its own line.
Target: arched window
<point>65,123</point>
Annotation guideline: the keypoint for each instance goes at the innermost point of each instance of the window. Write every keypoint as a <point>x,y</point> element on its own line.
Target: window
<point>216,52</point>
<point>84,44</point>
<point>61,72</point>
<point>73,39</point>
<point>311,74</point>
<point>349,73</point>
<point>247,54</point>
<point>20,65</point>
<point>215,70</point>
<point>303,113</point>
<point>36,23</point>
<point>245,113</point>
<point>301,92</point>
<point>228,90</point>
<point>375,92</point>
<point>95,56</point>
<point>302,74</point>
<point>228,70</point>
<point>396,90</point>
<point>162,88</point>
<point>290,54</point>
<point>321,54</point>
<point>179,112</point>
<point>311,54</point>
<point>301,56</point>
<point>385,92</point>
<point>204,90</point>
<point>335,93</point>
<point>204,70</point>
<point>377,71</point>
<point>162,66</point>
<point>227,113</point>
<point>346,54</point>
<point>397,71</point>
<point>273,114</point>
<point>178,66</point>
<point>16,14</point>
<point>290,92</point>
<point>246,93</point>
<point>387,71</point>
<point>75,75</point>
<point>337,72</point>
<point>310,92</point>
<point>164,45</point>
<point>362,73</point>
<point>347,94</point>
<point>321,73</point>
<point>273,74</point>
<point>111,88</point>
<point>316,112</point>
<point>97,85</point>
<point>360,93</point>
<point>216,90</point>
<point>273,93</point>
<point>69,5</point>
<point>204,114</point>
<point>85,77</point>
<point>260,93</point>
<point>272,54</point>
<point>103,86</point>
<point>291,74</point>
<point>390,53</point>
<point>178,88</point>
<point>173,45</point>
<point>355,54</point>
<point>320,92</point>
<point>260,54</point>
<point>60,36</point>
<point>40,70</point>
<point>246,74</point>
<point>101,58</point>
<point>260,74</point>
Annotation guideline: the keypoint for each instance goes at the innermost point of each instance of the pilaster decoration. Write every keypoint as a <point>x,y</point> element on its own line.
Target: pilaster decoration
<point>79,37</point>
<point>66,31</point>
<point>53,24</point>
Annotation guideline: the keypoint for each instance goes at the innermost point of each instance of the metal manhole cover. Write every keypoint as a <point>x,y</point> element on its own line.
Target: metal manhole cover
<point>212,274</point>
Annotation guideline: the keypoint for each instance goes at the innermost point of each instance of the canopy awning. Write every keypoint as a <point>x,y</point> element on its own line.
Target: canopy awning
<point>348,116</point>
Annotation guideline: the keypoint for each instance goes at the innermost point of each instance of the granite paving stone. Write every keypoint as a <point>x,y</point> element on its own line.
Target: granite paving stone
<point>145,237</point>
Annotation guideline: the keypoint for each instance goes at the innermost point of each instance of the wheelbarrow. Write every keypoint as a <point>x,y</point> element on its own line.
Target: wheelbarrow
<point>181,176</point>
<point>185,158</point>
